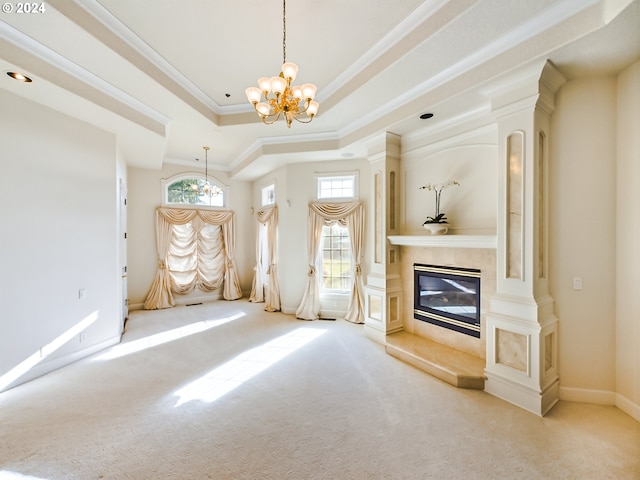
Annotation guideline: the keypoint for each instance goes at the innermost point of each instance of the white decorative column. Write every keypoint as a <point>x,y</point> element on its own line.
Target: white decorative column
<point>383,290</point>
<point>522,330</point>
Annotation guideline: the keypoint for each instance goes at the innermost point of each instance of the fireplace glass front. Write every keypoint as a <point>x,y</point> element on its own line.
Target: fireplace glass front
<point>448,297</point>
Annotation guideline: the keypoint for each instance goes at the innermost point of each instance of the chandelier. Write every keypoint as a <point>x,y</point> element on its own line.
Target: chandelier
<point>275,97</point>
<point>206,188</point>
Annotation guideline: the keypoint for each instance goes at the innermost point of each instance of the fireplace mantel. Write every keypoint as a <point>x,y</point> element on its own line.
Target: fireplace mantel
<point>446,241</point>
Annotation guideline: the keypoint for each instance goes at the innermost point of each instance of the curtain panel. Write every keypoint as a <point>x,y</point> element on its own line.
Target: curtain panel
<point>212,232</point>
<point>269,217</point>
<point>320,214</point>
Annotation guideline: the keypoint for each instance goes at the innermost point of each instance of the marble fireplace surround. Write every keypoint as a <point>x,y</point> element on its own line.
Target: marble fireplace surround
<point>477,252</point>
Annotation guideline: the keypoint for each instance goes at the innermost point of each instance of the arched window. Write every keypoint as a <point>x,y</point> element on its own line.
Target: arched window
<point>194,189</point>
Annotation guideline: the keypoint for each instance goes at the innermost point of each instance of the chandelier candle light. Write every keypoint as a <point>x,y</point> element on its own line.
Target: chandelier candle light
<point>437,224</point>
<point>276,97</point>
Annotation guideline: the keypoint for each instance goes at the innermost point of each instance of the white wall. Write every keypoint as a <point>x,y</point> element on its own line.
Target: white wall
<point>145,194</point>
<point>467,157</point>
<point>295,188</point>
<point>582,232</point>
<point>58,235</point>
<point>628,241</point>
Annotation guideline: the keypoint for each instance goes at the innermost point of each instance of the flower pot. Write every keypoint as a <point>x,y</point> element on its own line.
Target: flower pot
<point>437,228</point>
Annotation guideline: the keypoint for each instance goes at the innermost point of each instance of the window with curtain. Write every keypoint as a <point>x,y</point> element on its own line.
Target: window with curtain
<point>265,287</point>
<point>196,249</point>
<point>348,215</point>
<point>336,259</point>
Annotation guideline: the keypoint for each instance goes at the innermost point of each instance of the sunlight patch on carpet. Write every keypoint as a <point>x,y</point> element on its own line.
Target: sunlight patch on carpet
<point>7,475</point>
<point>245,366</point>
<point>166,337</point>
<point>42,353</point>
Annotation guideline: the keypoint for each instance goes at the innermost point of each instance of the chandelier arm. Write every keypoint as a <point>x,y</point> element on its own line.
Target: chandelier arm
<point>295,117</point>
<point>276,117</point>
<point>277,111</point>
<point>306,107</point>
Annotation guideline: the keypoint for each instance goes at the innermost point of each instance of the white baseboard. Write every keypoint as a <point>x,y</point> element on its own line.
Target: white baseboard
<point>585,395</point>
<point>628,407</point>
<point>184,300</point>
<point>57,363</point>
<point>601,397</point>
<point>191,299</point>
<point>194,299</point>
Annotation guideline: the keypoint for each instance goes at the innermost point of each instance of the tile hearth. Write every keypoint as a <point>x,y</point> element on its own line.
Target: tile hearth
<point>457,368</point>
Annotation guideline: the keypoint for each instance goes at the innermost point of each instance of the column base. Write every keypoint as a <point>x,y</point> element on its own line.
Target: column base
<point>375,333</point>
<point>536,402</point>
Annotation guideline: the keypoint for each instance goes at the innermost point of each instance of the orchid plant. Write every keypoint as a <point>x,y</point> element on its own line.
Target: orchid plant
<point>437,188</point>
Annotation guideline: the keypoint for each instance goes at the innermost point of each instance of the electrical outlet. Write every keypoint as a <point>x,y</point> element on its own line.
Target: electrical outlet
<point>577,283</point>
<point>83,337</point>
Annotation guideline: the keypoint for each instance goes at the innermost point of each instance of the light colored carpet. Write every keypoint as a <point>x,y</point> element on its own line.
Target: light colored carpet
<point>338,407</point>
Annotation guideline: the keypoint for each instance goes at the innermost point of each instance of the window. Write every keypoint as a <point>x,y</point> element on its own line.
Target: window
<point>268,195</point>
<point>337,186</point>
<point>336,259</point>
<point>192,189</point>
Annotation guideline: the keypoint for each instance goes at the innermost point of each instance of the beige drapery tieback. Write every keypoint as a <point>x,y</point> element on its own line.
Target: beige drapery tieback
<point>162,265</point>
<point>357,270</point>
<point>312,271</point>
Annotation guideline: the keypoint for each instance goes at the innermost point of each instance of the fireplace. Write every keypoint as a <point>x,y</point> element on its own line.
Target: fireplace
<point>448,297</point>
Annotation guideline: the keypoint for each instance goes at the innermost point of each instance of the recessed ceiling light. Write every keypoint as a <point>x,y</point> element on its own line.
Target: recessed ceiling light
<point>424,116</point>
<point>19,77</point>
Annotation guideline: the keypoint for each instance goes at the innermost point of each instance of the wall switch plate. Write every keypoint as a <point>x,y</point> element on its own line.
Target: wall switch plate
<point>82,293</point>
<point>577,283</point>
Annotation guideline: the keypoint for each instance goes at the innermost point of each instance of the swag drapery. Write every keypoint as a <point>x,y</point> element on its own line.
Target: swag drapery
<point>320,214</point>
<point>269,217</point>
<point>212,233</point>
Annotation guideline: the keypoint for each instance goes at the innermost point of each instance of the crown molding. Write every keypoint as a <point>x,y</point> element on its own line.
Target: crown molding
<point>151,119</point>
<point>391,39</point>
<point>535,26</point>
<point>116,27</point>
<point>261,145</point>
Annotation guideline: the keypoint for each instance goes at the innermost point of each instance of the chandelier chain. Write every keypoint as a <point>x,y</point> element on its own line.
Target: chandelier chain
<point>284,31</point>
